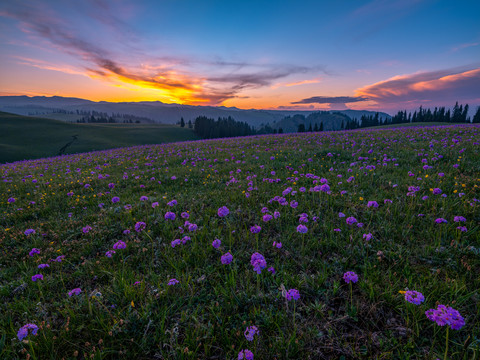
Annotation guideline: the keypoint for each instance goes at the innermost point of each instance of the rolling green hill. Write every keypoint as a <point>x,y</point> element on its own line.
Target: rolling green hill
<point>23,137</point>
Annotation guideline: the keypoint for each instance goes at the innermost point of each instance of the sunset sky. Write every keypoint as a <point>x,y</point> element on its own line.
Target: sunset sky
<point>382,54</point>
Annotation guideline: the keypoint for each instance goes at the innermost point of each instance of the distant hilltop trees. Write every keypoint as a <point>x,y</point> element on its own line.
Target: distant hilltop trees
<point>95,117</point>
<point>114,118</point>
<point>208,128</point>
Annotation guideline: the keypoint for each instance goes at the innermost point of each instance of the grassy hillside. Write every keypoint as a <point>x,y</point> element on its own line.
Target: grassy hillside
<point>200,250</point>
<point>24,137</point>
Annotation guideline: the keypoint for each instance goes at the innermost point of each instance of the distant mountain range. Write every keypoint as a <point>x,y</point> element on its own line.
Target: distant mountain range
<point>65,108</point>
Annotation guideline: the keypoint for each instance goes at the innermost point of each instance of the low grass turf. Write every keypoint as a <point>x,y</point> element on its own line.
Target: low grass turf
<point>23,137</point>
<point>413,190</point>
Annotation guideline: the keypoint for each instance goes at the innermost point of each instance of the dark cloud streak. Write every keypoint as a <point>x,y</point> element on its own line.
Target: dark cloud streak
<point>331,100</point>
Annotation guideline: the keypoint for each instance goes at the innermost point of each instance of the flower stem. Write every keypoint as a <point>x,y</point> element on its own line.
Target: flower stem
<point>446,346</point>
<point>351,295</point>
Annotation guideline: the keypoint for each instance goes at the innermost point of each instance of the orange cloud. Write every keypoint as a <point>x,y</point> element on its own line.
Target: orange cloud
<point>435,87</point>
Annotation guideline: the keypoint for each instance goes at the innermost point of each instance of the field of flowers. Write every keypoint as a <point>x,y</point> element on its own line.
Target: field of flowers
<point>336,245</point>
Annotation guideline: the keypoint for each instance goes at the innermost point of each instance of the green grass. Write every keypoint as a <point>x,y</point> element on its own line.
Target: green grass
<point>205,315</point>
<point>23,137</point>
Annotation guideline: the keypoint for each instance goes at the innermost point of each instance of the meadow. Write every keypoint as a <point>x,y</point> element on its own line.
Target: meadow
<point>357,244</point>
<point>25,137</point>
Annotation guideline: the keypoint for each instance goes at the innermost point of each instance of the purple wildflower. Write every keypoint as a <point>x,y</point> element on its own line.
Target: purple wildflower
<point>139,226</point>
<point>175,242</point>
<point>216,243</point>
<point>414,297</point>
<point>172,203</point>
<point>459,219</point>
<point>255,229</point>
<point>37,277</point>
<point>43,266</point>
<point>170,215</point>
<point>119,245</point>
<point>351,220</point>
<point>185,215</point>
<point>245,355</point>
<point>11,200</point>
<point>267,217</point>
<point>292,294</point>
<point>302,229</point>
<point>350,276</point>
<point>303,219</point>
<point>444,315</point>
<point>226,258</point>
<point>24,330</point>
<point>86,229</point>
<point>325,188</point>
<point>115,199</point>
<point>59,259</point>
<point>75,291</point>
<point>172,282</point>
<point>250,332</point>
<point>223,211</point>
<point>278,244</point>
<point>368,236</point>
<point>110,253</point>
<point>372,204</point>
<point>258,262</point>
<point>34,251</point>
<point>29,232</point>
<point>441,220</point>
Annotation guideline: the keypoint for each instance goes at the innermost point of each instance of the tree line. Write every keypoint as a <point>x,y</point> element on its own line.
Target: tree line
<point>459,114</point>
<point>208,128</point>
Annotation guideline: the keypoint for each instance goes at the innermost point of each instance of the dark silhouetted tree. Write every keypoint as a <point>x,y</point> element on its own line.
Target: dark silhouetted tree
<point>465,113</point>
<point>476,117</point>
